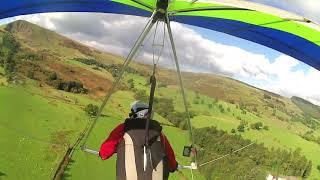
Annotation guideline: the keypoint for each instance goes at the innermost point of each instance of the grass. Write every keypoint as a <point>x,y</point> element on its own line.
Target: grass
<point>101,72</point>
<point>281,134</point>
<point>37,131</point>
<point>278,135</point>
<point>87,166</point>
<point>3,80</point>
<point>42,110</point>
<point>309,108</point>
<point>34,120</point>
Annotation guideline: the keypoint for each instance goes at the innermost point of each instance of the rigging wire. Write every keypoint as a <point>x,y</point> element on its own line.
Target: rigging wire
<point>127,61</point>
<point>188,121</point>
<point>174,61</point>
<point>240,149</point>
<point>221,157</point>
<point>181,84</point>
<point>191,172</point>
<point>155,62</point>
<point>117,81</point>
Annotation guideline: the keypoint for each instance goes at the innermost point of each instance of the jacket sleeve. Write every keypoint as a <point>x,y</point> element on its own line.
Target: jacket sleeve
<point>173,165</point>
<point>109,146</point>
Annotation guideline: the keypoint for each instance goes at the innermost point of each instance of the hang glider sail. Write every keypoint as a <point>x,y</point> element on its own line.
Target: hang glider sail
<point>276,29</point>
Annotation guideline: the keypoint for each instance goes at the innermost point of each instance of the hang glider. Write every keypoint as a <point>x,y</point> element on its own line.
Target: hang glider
<point>277,29</point>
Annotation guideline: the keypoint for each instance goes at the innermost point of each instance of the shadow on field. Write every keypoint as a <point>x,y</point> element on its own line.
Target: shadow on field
<point>2,174</point>
<point>67,174</point>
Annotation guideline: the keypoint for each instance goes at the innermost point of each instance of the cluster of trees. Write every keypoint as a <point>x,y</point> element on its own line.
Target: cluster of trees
<point>242,126</point>
<point>245,125</point>
<point>8,50</point>
<point>91,110</point>
<point>28,55</point>
<point>130,84</point>
<point>33,71</point>
<point>221,108</point>
<point>307,120</point>
<point>258,126</point>
<point>141,95</point>
<point>165,108</point>
<point>266,96</point>
<point>255,162</point>
<point>114,69</point>
<point>242,107</point>
<point>68,86</point>
<point>310,137</point>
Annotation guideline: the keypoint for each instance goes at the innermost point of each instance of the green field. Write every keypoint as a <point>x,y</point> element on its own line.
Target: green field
<point>87,165</point>
<point>44,127</point>
<point>37,132</point>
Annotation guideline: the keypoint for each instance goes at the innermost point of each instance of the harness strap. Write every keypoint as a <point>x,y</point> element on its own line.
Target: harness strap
<point>147,150</point>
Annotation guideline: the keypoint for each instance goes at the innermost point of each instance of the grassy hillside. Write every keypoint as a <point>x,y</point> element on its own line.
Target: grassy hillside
<point>307,107</point>
<point>35,132</point>
<point>40,115</point>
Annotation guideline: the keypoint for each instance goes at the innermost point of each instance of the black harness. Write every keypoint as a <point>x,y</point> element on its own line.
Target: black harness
<point>140,123</point>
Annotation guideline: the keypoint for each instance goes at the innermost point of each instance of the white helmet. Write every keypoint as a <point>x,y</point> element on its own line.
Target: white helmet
<point>139,109</point>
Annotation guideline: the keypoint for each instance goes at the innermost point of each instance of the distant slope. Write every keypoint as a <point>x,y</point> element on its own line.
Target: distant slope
<point>307,107</point>
<point>40,40</point>
<point>57,47</point>
<point>250,98</point>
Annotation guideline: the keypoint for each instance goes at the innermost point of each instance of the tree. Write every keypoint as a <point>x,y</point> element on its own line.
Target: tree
<point>195,101</point>
<point>233,131</point>
<point>266,96</point>
<point>52,76</point>
<point>197,95</point>
<point>241,127</point>
<point>130,83</point>
<point>307,171</point>
<point>216,100</point>
<point>141,95</point>
<point>165,108</point>
<point>248,165</point>
<point>266,128</point>
<point>91,110</point>
<point>30,74</point>
<point>8,49</point>
<point>318,167</point>
<point>256,126</point>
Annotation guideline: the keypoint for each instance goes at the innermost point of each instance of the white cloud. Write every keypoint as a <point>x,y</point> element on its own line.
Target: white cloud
<point>117,33</point>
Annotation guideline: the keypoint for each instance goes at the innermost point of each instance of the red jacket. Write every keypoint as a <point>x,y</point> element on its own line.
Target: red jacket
<point>109,146</point>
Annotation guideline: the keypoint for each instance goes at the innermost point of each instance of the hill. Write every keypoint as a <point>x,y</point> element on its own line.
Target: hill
<point>251,98</point>
<point>307,107</point>
<point>56,71</point>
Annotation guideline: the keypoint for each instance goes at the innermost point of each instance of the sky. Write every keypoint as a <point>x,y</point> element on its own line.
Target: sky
<point>199,50</point>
